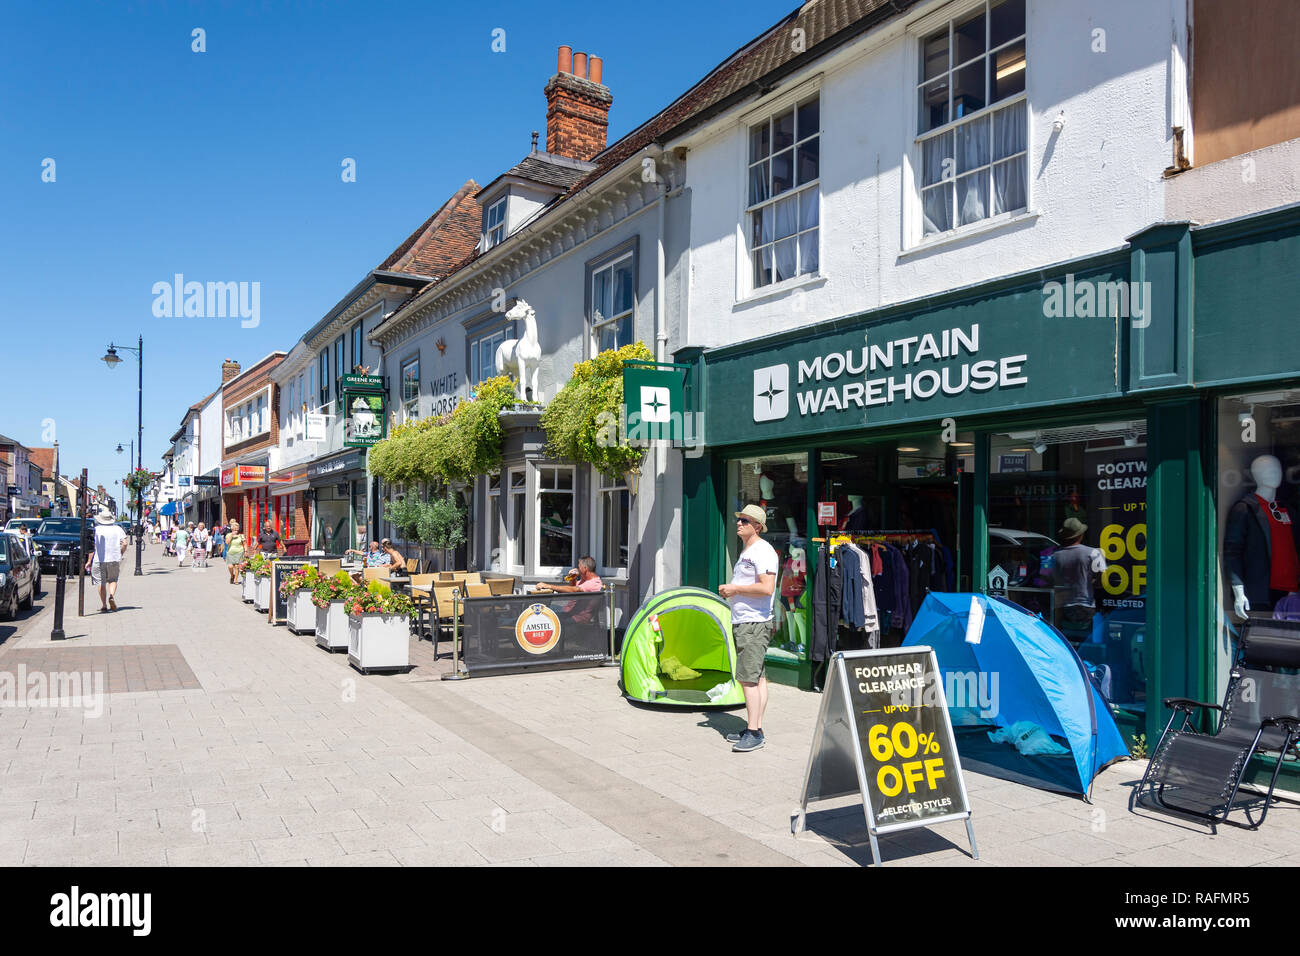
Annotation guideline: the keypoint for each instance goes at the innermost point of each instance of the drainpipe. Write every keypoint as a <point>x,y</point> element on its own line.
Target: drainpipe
<point>660,455</point>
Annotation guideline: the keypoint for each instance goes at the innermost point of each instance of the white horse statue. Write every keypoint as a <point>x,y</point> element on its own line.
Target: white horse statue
<point>520,354</point>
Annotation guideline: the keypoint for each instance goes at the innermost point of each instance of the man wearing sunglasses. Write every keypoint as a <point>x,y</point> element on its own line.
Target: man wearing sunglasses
<point>753,580</point>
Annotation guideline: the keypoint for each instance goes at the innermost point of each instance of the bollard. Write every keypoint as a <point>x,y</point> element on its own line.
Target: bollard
<point>57,633</point>
<point>613,657</point>
<point>455,639</point>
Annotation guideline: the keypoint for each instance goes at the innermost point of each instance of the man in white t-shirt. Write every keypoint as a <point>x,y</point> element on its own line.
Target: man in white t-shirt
<point>753,581</point>
<point>104,564</point>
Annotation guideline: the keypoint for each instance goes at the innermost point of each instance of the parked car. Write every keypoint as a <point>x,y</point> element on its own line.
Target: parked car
<point>17,580</point>
<point>60,538</point>
<point>34,550</point>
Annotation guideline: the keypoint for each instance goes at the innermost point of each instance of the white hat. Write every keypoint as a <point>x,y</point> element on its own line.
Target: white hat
<point>104,517</point>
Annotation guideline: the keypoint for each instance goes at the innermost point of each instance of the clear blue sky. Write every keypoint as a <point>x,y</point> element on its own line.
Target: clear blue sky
<point>225,166</point>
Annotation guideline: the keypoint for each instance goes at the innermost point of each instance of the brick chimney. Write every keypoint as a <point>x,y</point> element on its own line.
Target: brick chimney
<point>577,107</point>
<point>229,370</point>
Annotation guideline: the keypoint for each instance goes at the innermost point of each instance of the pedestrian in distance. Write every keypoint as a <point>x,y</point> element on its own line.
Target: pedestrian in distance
<point>753,583</point>
<point>182,543</point>
<point>202,541</point>
<point>218,541</point>
<point>105,561</point>
<point>268,542</point>
<point>234,550</point>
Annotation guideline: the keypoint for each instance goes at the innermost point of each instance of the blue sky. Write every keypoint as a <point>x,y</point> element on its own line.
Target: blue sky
<point>225,166</point>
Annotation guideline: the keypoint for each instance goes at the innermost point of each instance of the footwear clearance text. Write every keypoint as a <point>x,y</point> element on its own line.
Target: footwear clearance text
<point>954,378</point>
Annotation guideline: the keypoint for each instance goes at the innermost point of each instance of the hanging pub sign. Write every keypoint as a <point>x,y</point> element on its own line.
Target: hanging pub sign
<point>884,732</point>
<point>364,421</point>
<point>654,404</point>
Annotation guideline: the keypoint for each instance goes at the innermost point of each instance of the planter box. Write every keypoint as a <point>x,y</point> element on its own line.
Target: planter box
<point>300,615</point>
<point>250,587</point>
<point>332,626</point>
<point>262,601</point>
<point>379,642</point>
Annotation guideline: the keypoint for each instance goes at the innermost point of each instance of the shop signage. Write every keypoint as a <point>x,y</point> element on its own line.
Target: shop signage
<point>654,403</point>
<point>538,629</point>
<point>209,481</point>
<point>14,490</point>
<point>183,481</point>
<point>1014,464</point>
<point>998,581</point>
<point>993,352</point>
<point>364,423</point>
<point>317,426</point>
<point>251,473</point>
<point>287,477</point>
<point>826,514</point>
<point>1117,524</point>
<point>229,477</point>
<point>333,466</point>
<point>363,383</point>
<point>884,732</point>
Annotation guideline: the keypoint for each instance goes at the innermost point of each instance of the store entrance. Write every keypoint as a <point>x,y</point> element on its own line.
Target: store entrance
<point>906,505</point>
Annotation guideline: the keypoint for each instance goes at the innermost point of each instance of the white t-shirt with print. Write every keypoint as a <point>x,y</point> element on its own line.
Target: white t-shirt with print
<point>759,558</point>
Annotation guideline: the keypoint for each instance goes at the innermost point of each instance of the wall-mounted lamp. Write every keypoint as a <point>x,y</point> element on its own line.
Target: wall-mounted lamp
<point>1058,124</point>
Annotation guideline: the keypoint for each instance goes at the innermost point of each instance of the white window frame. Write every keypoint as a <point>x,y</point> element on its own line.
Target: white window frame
<point>407,403</point>
<point>535,516</point>
<point>599,488</point>
<point>745,286</point>
<point>596,325</point>
<point>516,562</point>
<point>494,495</point>
<point>493,340</point>
<point>914,208</point>
<point>494,234</point>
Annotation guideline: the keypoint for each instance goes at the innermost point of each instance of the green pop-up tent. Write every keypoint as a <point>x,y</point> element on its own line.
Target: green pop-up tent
<point>678,651</point>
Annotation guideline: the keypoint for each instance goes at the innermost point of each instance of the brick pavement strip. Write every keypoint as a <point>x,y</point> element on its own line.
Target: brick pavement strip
<point>239,744</point>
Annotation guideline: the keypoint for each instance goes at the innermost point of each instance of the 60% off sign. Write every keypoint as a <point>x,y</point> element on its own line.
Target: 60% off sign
<point>902,743</point>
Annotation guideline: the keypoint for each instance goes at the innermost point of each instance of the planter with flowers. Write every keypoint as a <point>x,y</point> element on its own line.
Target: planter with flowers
<point>300,615</point>
<point>249,591</point>
<point>259,566</point>
<point>379,629</point>
<point>329,595</point>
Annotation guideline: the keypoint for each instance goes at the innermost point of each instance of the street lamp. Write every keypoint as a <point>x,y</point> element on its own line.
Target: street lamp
<point>112,360</point>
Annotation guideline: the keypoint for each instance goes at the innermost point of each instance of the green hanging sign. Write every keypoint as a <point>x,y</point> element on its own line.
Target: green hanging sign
<point>654,402</point>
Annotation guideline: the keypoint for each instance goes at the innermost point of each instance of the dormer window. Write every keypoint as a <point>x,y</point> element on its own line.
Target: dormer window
<point>494,224</point>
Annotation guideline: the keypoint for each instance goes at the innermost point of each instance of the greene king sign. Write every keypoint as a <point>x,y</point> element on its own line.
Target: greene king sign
<point>899,371</point>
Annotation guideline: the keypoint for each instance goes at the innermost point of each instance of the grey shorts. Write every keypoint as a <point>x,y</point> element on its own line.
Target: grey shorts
<point>105,573</point>
<point>752,638</point>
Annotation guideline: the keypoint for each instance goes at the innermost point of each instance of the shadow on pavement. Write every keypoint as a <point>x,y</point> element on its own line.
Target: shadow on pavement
<point>845,830</point>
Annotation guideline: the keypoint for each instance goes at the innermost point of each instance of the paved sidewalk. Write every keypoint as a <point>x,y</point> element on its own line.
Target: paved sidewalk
<point>222,740</point>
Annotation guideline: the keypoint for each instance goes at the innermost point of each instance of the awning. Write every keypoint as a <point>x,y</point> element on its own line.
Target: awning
<point>168,509</point>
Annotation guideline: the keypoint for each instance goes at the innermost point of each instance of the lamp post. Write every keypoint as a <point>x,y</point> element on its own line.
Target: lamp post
<point>112,360</point>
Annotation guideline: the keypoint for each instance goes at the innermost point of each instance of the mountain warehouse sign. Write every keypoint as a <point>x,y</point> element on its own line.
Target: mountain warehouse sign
<point>917,367</point>
<point>985,353</point>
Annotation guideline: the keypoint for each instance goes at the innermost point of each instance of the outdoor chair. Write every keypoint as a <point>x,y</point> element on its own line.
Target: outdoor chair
<point>374,574</point>
<point>501,585</point>
<point>444,614</point>
<point>329,566</point>
<point>412,565</point>
<point>1200,774</point>
<point>446,576</point>
<point>472,577</point>
<point>477,590</point>
<point>423,602</point>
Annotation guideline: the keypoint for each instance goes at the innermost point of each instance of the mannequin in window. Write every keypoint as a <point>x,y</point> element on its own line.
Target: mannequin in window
<point>856,519</point>
<point>1259,544</point>
<point>767,492</point>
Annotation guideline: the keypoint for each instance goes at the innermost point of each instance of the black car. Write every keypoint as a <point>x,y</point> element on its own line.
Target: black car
<point>17,576</point>
<point>60,539</point>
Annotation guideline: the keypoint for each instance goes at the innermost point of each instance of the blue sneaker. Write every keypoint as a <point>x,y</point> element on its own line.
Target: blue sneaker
<point>748,741</point>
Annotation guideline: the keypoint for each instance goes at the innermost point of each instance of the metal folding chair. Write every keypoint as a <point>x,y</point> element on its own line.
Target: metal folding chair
<point>1200,774</point>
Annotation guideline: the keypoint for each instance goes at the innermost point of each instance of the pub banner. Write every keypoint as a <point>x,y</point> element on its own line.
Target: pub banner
<point>525,632</point>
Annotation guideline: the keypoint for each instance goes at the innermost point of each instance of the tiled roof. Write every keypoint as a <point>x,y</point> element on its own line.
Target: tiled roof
<point>442,240</point>
<point>545,168</point>
<point>44,459</point>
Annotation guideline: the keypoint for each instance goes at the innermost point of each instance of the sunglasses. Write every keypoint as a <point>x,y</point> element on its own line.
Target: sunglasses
<point>1277,512</point>
<point>744,521</point>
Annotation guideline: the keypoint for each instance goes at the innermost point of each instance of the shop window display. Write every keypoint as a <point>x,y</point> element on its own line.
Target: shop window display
<point>779,485</point>
<point>1068,526</point>
<point>1258,513</point>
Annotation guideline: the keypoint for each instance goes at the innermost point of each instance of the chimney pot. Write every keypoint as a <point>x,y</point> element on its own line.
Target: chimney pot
<point>565,62</point>
<point>594,68</point>
<point>580,65</point>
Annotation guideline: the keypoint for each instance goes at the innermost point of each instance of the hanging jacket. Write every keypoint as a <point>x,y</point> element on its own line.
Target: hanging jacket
<point>870,616</point>
<point>850,568</point>
<point>826,606</point>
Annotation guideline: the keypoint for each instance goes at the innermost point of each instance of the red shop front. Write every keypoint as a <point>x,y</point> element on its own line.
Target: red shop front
<point>245,496</point>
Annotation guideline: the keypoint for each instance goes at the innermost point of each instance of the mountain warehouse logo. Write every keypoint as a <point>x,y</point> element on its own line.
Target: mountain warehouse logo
<point>955,377</point>
<point>655,404</point>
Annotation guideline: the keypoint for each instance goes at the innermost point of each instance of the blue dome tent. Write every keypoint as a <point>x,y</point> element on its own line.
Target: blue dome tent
<point>1017,671</point>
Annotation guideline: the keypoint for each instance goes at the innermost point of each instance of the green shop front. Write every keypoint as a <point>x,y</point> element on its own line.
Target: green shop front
<point>967,431</point>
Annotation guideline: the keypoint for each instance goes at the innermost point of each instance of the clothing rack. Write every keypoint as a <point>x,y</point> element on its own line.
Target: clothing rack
<point>857,536</point>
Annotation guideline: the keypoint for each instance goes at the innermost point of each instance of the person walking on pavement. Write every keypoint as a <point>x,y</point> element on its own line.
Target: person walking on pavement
<point>182,543</point>
<point>202,541</point>
<point>268,542</point>
<point>753,582</point>
<point>234,550</point>
<point>105,561</point>
<point>218,541</point>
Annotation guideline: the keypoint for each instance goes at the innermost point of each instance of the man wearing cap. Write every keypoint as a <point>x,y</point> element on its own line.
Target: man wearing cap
<point>1077,568</point>
<point>753,580</point>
